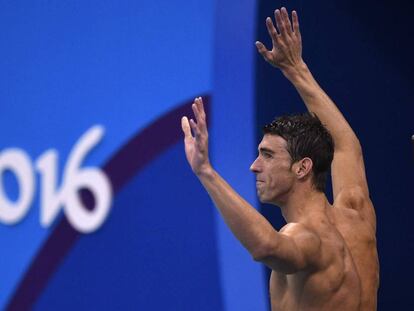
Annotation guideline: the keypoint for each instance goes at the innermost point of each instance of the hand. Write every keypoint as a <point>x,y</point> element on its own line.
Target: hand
<point>286,52</point>
<point>196,148</point>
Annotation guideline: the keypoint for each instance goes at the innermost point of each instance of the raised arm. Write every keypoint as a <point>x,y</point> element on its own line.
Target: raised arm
<point>282,252</point>
<point>348,171</point>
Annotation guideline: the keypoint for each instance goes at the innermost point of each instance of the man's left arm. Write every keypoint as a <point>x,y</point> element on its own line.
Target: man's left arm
<point>349,182</point>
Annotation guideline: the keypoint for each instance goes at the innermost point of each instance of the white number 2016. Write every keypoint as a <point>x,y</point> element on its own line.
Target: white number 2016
<point>52,197</point>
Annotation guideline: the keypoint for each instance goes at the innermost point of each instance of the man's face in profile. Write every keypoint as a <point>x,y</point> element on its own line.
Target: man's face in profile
<point>273,169</point>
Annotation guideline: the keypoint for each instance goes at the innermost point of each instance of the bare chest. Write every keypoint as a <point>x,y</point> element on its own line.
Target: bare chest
<point>313,292</point>
<point>323,288</point>
<point>283,290</point>
<point>292,292</point>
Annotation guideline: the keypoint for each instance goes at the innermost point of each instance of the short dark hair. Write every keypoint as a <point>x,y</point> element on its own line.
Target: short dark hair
<point>306,137</point>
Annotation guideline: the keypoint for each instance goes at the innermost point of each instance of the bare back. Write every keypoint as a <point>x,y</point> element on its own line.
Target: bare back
<point>359,236</point>
<point>333,285</point>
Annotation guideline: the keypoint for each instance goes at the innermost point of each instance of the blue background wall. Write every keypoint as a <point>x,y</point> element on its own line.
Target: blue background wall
<point>134,68</point>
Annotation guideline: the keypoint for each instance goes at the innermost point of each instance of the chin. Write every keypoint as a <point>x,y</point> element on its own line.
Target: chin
<point>263,199</point>
<point>272,200</point>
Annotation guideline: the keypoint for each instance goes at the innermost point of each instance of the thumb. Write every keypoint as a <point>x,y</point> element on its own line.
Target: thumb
<point>185,125</point>
<point>262,50</point>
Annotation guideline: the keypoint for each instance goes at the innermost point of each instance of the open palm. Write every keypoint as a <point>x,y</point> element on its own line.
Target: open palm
<point>196,147</point>
<point>287,42</point>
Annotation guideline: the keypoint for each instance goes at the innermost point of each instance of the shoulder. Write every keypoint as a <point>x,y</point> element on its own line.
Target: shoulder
<point>296,229</point>
<point>306,239</point>
<point>357,198</point>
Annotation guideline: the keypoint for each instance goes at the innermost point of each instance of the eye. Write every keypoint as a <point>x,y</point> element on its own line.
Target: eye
<point>267,155</point>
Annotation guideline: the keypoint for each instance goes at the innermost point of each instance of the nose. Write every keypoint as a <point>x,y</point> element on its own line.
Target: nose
<point>255,167</point>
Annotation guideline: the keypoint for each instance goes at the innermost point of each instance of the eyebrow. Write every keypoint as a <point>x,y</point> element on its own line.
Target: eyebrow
<point>263,149</point>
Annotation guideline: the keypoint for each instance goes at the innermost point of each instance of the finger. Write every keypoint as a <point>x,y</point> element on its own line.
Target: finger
<point>186,128</point>
<point>286,21</point>
<point>295,21</point>
<point>201,116</point>
<point>272,31</point>
<point>195,110</point>
<point>195,129</point>
<point>412,141</point>
<point>263,51</point>
<point>200,107</point>
<point>202,111</point>
<point>281,25</point>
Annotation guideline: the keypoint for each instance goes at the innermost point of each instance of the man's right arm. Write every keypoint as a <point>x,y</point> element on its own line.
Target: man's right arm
<point>286,253</point>
<point>348,171</point>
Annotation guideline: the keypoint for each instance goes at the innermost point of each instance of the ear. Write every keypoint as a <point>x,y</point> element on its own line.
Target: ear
<point>303,168</point>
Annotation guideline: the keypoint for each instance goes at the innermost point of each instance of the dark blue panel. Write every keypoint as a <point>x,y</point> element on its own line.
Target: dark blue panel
<point>156,252</point>
<point>361,55</point>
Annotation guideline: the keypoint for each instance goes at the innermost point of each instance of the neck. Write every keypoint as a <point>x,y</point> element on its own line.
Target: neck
<point>301,204</point>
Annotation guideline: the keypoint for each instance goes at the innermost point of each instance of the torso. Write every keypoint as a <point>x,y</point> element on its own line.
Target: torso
<point>349,276</point>
<point>334,285</point>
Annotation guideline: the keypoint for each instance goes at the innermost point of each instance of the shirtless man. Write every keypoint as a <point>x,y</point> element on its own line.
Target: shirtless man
<point>325,258</point>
